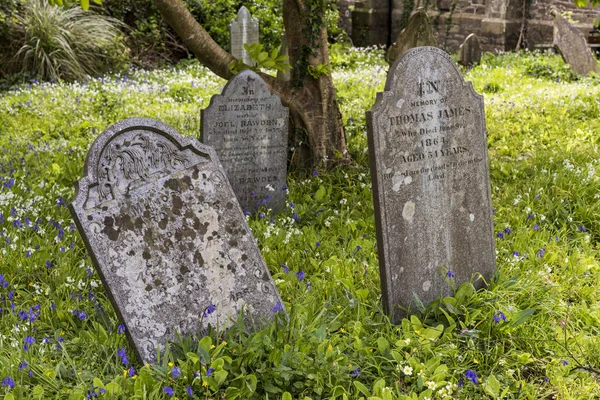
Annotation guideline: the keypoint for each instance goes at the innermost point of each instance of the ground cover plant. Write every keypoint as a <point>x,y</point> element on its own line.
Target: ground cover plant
<point>532,334</point>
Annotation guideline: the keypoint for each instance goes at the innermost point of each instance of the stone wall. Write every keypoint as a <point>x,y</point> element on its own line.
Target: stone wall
<point>497,23</point>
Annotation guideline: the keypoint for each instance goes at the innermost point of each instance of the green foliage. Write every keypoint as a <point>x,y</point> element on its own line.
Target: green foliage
<point>48,42</point>
<point>532,334</point>
<point>549,68</point>
<point>263,60</point>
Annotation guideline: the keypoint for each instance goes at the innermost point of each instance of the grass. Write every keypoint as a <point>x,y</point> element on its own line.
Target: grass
<point>532,334</point>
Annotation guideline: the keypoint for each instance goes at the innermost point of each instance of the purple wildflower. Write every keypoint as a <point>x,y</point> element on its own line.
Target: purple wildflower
<point>472,376</point>
<point>278,307</point>
<point>209,310</point>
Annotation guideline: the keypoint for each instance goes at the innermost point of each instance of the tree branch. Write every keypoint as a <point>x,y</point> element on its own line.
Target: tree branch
<point>195,37</point>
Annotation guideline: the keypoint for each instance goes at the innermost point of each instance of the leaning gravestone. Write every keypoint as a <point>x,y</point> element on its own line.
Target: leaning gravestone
<point>469,52</point>
<point>248,128</point>
<point>243,31</point>
<point>167,236</point>
<point>418,32</point>
<point>573,46</point>
<point>431,188</point>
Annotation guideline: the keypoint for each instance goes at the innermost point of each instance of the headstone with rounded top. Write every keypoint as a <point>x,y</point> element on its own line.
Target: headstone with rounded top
<point>469,52</point>
<point>167,236</point>
<point>243,30</point>
<point>418,32</point>
<point>248,127</point>
<point>430,176</point>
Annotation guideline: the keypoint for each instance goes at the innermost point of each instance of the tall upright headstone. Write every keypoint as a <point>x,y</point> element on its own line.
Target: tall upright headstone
<point>573,46</point>
<point>243,30</point>
<point>283,51</point>
<point>248,128</point>
<point>418,32</point>
<point>167,236</point>
<point>469,52</point>
<point>430,175</point>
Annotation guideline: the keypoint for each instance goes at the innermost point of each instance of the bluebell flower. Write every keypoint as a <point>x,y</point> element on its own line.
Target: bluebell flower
<point>121,329</point>
<point>472,376</point>
<point>278,307</point>
<point>296,217</point>
<point>131,371</point>
<point>209,310</point>
<point>507,230</point>
<point>500,235</point>
<point>23,365</point>
<point>189,391</point>
<point>176,372</point>
<point>285,268</point>
<point>536,227</point>
<point>123,354</point>
<point>449,274</point>
<point>209,371</point>
<point>8,381</point>
<point>318,244</point>
<point>315,172</point>
<point>541,252</point>
<point>530,216</point>
<point>28,341</point>
<point>356,373</point>
<point>581,228</point>
<point>300,275</point>
<point>169,391</point>
<point>516,253</point>
<point>499,316</point>
<point>565,362</point>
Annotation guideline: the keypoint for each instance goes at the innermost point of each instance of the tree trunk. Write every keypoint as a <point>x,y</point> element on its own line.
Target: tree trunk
<point>311,98</point>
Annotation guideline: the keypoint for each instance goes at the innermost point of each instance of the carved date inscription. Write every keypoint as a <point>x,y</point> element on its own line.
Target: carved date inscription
<point>248,128</point>
<point>430,175</point>
<point>167,236</point>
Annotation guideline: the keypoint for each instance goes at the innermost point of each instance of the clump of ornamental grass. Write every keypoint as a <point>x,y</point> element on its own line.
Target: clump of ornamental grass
<point>51,42</point>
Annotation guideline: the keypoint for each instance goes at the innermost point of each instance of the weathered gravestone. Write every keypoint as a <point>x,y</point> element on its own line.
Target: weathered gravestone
<point>469,52</point>
<point>573,47</point>
<point>167,236</point>
<point>283,51</point>
<point>418,32</point>
<point>430,175</point>
<point>243,31</point>
<point>248,128</point>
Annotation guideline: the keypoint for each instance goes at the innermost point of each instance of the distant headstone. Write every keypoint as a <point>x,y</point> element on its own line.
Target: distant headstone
<point>242,31</point>
<point>248,128</point>
<point>167,236</point>
<point>573,47</point>
<point>283,51</point>
<point>418,32</point>
<point>430,175</point>
<point>469,52</point>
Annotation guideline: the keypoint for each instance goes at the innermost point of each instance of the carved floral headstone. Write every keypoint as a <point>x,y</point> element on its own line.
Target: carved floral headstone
<point>167,236</point>
<point>248,128</point>
<point>430,175</point>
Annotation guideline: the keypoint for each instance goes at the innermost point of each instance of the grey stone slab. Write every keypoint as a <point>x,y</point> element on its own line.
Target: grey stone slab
<point>243,30</point>
<point>167,236</point>
<point>430,175</point>
<point>573,47</point>
<point>283,51</point>
<point>469,52</point>
<point>418,32</point>
<point>248,128</point>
